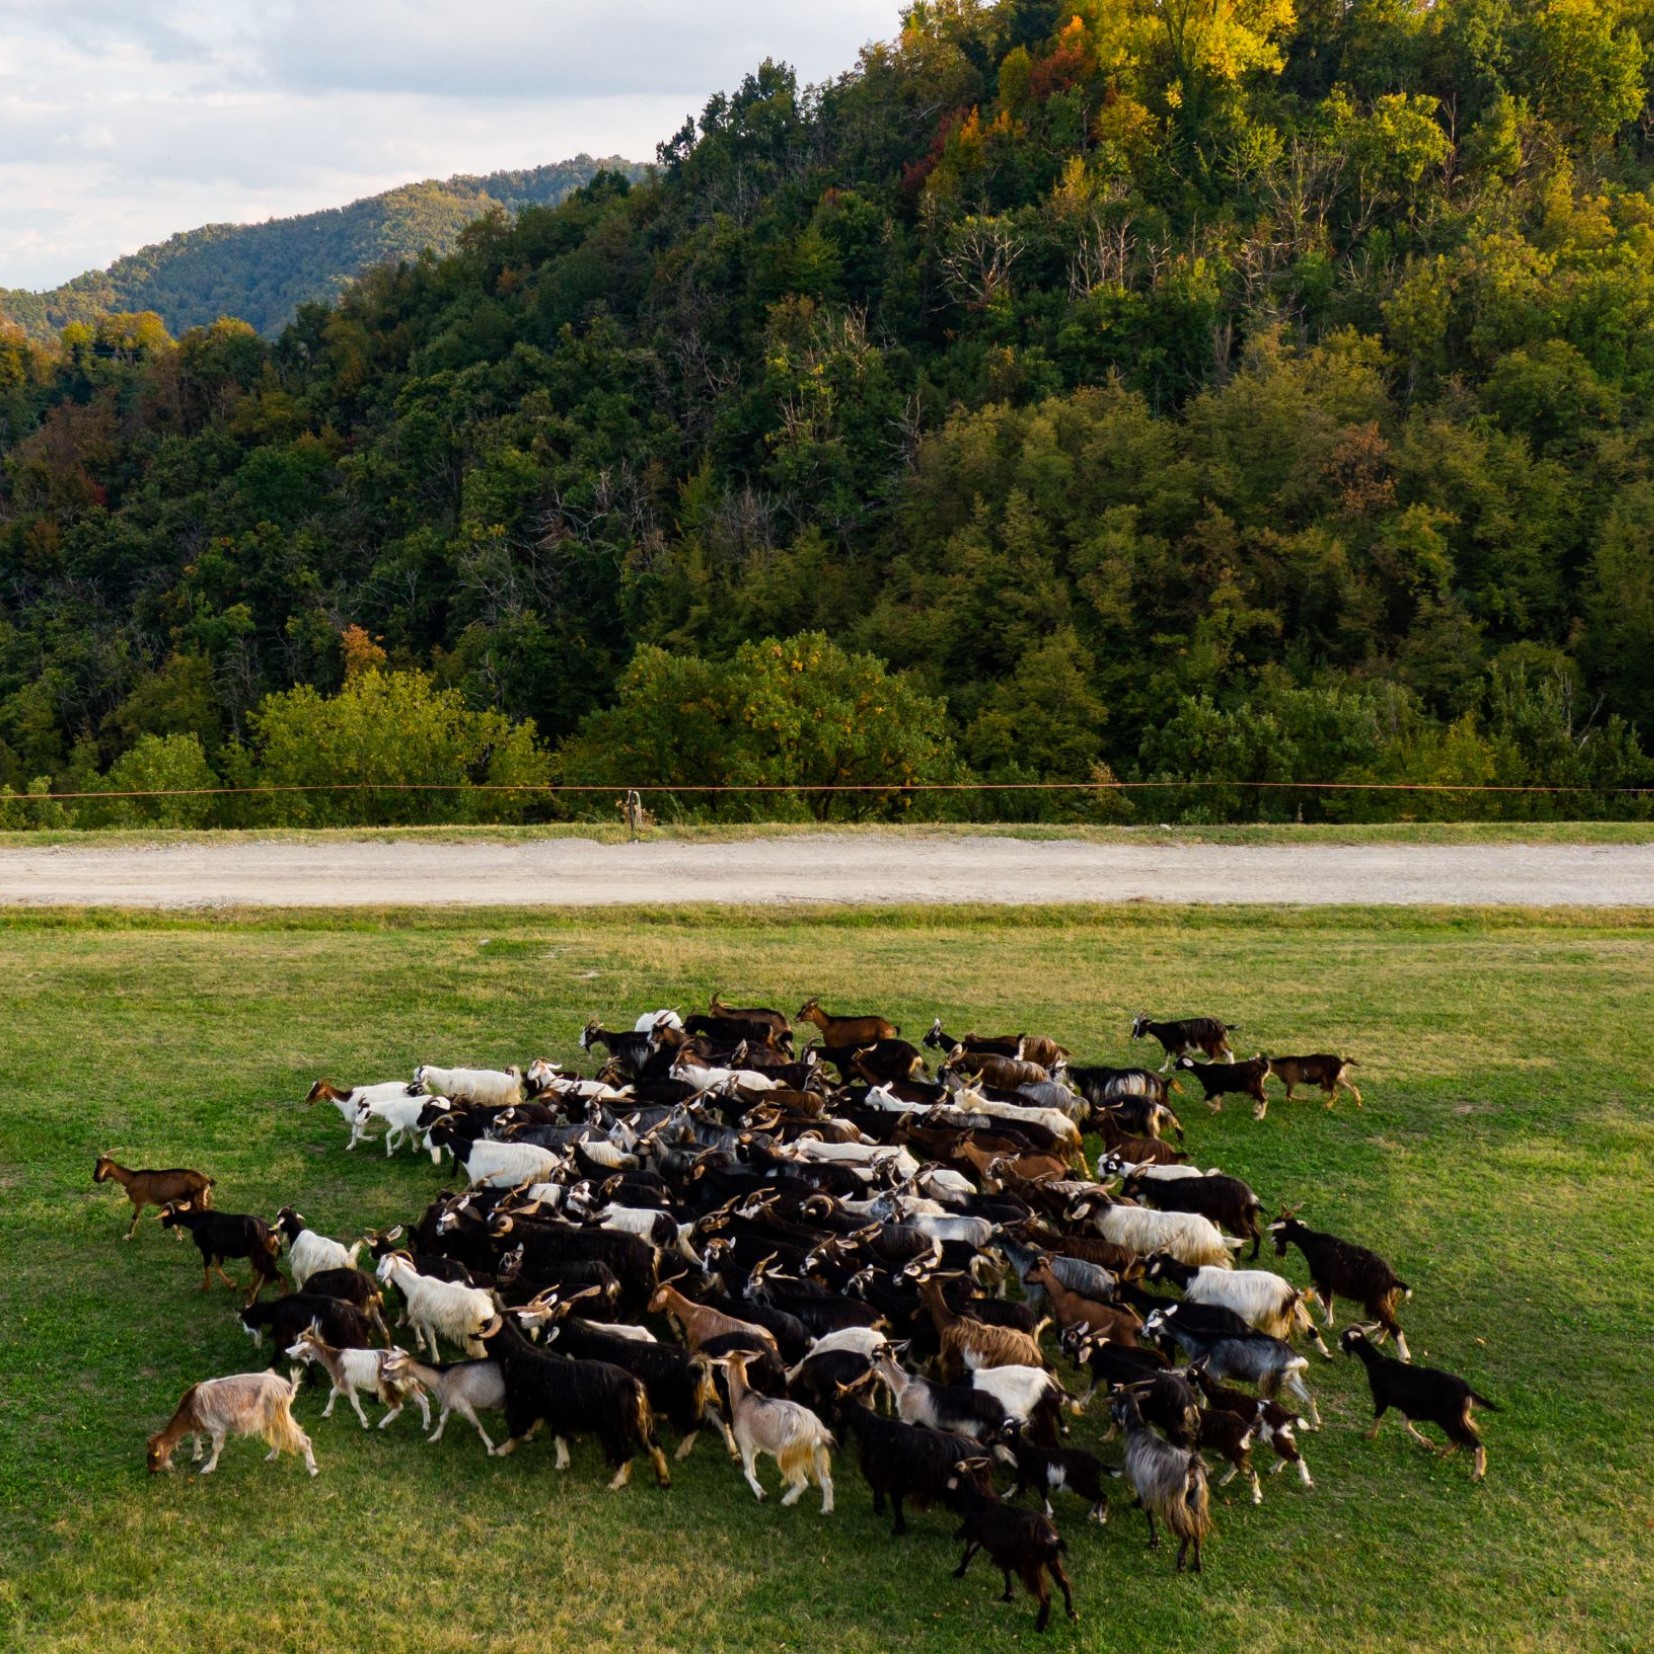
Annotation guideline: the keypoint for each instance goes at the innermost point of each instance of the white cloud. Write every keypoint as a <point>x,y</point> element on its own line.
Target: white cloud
<point>124,121</point>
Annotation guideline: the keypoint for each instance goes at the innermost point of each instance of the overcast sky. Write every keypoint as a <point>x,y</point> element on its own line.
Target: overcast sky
<point>122,121</point>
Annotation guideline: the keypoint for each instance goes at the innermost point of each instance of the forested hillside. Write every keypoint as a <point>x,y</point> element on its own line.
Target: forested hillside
<point>1138,387</point>
<point>262,273</point>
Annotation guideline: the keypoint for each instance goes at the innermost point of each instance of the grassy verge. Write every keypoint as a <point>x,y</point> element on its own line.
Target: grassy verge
<point>1501,1163</point>
<point>1281,833</point>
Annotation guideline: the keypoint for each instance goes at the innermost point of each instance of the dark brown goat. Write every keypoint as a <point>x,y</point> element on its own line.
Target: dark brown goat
<point>1325,1070</point>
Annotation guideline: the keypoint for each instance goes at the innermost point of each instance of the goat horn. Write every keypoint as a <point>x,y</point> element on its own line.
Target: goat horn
<point>495,1322</point>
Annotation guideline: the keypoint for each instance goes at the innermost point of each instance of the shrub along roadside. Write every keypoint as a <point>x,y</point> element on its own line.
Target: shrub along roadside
<point>804,713</point>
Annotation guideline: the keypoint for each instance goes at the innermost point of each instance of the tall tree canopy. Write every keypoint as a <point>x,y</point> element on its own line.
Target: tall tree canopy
<point>1160,388</point>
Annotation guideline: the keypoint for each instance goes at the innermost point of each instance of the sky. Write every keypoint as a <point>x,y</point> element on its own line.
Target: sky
<point>124,121</point>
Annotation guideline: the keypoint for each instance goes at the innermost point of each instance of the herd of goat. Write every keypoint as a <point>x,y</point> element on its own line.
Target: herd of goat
<point>827,1261</point>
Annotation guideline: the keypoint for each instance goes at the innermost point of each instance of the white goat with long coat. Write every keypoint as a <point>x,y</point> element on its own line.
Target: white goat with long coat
<point>791,1434</point>
<point>456,1311</point>
<point>244,1404</point>
<point>484,1087</point>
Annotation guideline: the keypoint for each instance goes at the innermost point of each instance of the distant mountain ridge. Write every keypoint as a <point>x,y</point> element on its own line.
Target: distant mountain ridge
<point>262,273</point>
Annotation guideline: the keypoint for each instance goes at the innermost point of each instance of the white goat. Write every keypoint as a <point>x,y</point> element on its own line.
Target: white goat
<point>486,1087</point>
<point>1053,1120</point>
<point>400,1116</point>
<point>851,1154</point>
<point>867,1341</point>
<point>1018,1389</point>
<point>792,1435</point>
<point>544,1077</point>
<point>505,1165</point>
<point>307,1252</point>
<point>977,1232</point>
<point>462,1387</point>
<point>450,1308</point>
<point>1189,1237</point>
<point>705,1079</point>
<point>349,1099</point>
<point>882,1097</point>
<point>1263,1299</point>
<point>944,1184</point>
<point>354,1370</point>
<point>650,1021</point>
<point>244,1404</point>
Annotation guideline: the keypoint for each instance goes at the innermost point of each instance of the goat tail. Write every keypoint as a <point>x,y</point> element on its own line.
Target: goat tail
<point>1482,1401</point>
<point>1197,1501</point>
<point>643,1416</point>
<point>706,1390</point>
<point>279,1428</point>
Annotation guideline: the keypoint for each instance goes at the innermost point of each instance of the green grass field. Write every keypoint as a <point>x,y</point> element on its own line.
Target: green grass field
<point>1501,1163</point>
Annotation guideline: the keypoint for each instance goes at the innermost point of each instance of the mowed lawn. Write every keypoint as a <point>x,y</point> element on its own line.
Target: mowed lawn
<point>1501,1163</point>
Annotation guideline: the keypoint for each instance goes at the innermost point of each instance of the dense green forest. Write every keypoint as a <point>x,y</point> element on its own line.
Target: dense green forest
<point>1209,390</point>
<point>262,273</point>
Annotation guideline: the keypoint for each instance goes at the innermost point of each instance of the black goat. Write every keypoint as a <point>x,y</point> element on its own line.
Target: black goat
<point>1061,1470</point>
<point>904,1461</point>
<point>1269,1419</point>
<point>1341,1269</point>
<point>1017,1541</point>
<point>818,1380</point>
<point>679,1385</point>
<point>573,1398</point>
<point>1425,1394</point>
<point>1205,1034</point>
<point>544,1245</point>
<point>1230,1437</point>
<point>356,1287</point>
<point>1223,1079</point>
<point>221,1235</point>
<point>341,1324</point>
<point>1110,1364</point>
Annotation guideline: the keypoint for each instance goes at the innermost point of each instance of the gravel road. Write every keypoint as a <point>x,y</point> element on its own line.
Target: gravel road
<point>862,868</point>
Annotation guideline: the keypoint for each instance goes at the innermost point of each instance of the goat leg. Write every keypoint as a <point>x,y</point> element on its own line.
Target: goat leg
<point>137,1212</point>
<point>1060,1574</point>
<point>972,1546</point>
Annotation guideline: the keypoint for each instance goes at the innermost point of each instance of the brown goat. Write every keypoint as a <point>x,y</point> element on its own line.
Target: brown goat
<point>1119,1323</point>
<point>969,1344</point>
<point>844,1033</point>
<point>774,1020</point>
<point>1003,1073</point>
<point>1327,1071</point>
<point>1003,1170</point>
<point>1043,1050</point>
<point>700,1322</point>
<point>177,1185</point>
<point>1139,1151</point>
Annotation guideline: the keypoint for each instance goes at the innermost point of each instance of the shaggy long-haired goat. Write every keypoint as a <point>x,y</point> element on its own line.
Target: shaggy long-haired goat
<point>244,1404</point>
<point>1170,1482</point>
